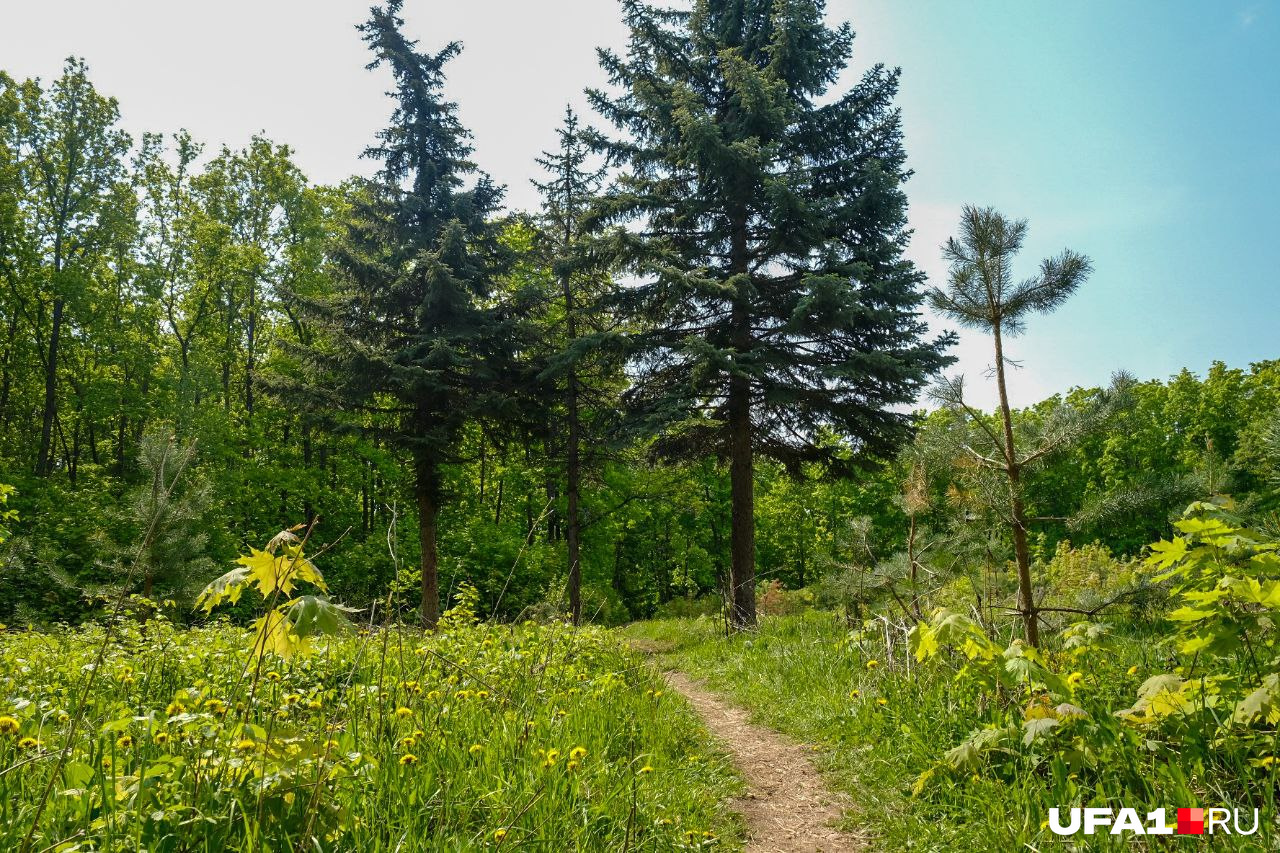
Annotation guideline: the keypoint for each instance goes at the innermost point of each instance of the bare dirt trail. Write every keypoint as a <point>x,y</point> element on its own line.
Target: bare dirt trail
<point>787,807</point>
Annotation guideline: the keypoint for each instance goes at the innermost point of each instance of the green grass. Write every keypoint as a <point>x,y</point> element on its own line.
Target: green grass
<point>879,727</point>
<point>522,738</point>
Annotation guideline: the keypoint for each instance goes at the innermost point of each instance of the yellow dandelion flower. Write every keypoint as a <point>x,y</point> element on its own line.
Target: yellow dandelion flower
<point>645,771</point>
<point>273,676</point>
<point>482,694</point>
<point>246,745</point>
<point>578,753</point>
<point>407,742</point>
<point>161,738</point>
<point>572,765</point>
<point>175,708</point>
<point>500,835</point>
<point>1133,670</point>
<point>462,694</point>
<point>315,705</point>
<point>9,726</point>
<point>292,699</point>
<point>403,712</point>
<point>419,734</point>
<point>476,749</point>
<point>408,759</point>
<point>1075,678</point>
<point>28,743</point>
<point>63,717</point>
<point>881,701</point>
<point>872,664</point>
<point>106,762</point>
<point>433,695</point>
<point>124,742</point>
<point>854,694</point>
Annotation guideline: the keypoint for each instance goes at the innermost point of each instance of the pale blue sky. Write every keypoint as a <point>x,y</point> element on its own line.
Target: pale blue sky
<point>1145,134</point>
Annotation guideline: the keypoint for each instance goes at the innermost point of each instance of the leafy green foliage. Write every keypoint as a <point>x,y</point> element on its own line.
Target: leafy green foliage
<point>287,627</point>
<point>476,738</point>
<point>7,515</point>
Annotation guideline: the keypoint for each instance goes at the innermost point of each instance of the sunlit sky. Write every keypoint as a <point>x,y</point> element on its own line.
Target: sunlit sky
<point>1144,134</point>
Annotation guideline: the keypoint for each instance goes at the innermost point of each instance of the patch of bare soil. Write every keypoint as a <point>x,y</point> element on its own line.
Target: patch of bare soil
<point>787,807</point>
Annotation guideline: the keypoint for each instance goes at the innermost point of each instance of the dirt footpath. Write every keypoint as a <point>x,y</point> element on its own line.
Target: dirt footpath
<point>787,807</point>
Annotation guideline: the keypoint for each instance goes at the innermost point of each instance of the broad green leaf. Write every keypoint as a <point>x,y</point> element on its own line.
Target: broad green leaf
<point>226,588</point>
<point>1166,554</point>
<point>272,634</point>
<point>1038,727</point>
<point>1262,702</point>
<point>1189,614</point>
<point>310,615</point>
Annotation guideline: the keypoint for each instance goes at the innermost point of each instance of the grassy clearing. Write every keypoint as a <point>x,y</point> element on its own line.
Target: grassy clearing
<point>483,737</point>
<point>881,721</point>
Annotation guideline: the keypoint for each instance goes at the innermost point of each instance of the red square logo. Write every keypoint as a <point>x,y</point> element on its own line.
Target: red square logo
<point>1191,821</point>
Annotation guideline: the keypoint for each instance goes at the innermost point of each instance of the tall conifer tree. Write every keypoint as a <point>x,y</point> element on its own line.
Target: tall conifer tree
<point>416,338</point>
<point>570,188</point>
<point>769,227</point>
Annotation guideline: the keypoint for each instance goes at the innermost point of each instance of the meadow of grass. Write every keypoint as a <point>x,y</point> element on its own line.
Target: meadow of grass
<point>477,737</point>
<point>889,730</point>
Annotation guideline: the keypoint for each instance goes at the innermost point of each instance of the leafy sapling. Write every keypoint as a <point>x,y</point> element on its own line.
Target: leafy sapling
<point>285,628</point>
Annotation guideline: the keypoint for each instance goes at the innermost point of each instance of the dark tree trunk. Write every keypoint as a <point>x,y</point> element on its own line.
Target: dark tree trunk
<point>93,443</point>
<point>7,383</point>
<point>742,535</point>
<point>44,459</point>
<point>428,495</point>
<point>250,344</point>
<point>497,510</point>
<point>573,532</point>
<point>122,429</point>
<point>573,468</point>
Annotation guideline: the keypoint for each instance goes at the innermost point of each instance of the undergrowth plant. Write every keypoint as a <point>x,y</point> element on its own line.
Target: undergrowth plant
<point>476,737</point>
<point>961,739</point>
<point>286,627</point>
<point>6,514</point>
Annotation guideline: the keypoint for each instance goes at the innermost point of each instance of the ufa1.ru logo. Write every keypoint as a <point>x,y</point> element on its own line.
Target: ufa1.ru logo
<point>1190,822</point>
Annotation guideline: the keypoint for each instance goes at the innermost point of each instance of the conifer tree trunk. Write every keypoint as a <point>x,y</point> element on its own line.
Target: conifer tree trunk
<point>1022,554</point>
<point>573,469</point>
<point>742,536</point>
<point>428,495</point>
<point>741,464</point>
